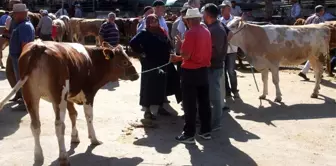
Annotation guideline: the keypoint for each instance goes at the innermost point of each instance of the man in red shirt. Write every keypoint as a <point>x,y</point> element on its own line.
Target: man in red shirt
<point>195,52</point>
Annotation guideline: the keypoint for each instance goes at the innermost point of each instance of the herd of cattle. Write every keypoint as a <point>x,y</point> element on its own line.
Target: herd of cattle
<point>55,71</point>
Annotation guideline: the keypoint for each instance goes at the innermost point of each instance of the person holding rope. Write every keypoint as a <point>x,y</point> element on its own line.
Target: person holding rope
<point>195,56</point>
<point>156,85</point>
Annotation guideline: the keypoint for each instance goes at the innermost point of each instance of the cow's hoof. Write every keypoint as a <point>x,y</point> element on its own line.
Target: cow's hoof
<point>314,95</point>
<point>278,99</point>
<point>38,160</point>
<point>75,140</point>
<point>262,97</point>
<point>64,162</point>
<point>96,142</point>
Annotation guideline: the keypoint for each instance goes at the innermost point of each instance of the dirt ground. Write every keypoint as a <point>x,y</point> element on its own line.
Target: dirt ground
<point>299,132</point>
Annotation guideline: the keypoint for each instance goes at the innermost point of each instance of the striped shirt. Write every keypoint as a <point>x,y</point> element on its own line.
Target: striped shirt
<point>110,33</point>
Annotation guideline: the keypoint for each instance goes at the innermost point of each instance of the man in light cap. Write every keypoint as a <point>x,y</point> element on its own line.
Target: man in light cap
<point>195,56</point>
<point>313,19</point>
<point>109,31</point>
<point>22,33</point>
<point>147,11</point>
<point>44,27</point>
<point>230,60</point>
<point>159,10</point>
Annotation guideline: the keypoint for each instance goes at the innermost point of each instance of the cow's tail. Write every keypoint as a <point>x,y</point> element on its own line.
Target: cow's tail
<point>15,89</point>
<point>36,50</point>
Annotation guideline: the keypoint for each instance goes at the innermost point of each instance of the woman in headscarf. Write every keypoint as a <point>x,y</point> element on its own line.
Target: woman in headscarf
<point>155,47</point>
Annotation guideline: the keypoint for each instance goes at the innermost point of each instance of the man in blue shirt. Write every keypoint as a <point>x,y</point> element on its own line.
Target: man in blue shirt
<point>3,18</point>
<point>147,11</point>
<point>22,32</point>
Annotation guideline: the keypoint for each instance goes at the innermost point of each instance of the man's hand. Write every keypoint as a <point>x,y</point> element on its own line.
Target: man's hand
<point>178,39</point>
<point>174,58</point>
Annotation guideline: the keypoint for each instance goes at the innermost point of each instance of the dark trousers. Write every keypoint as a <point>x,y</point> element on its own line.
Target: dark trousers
<point>195,89</point>
<point>332,64</point>
<point>230,73</point>
<point>46,37</point>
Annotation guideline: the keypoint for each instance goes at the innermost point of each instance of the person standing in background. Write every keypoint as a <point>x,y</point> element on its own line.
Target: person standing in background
<point>61,12</point>
<point>313,19</point>
<point>78,11</point>
<point>235,9</point>
<point>147,11</point>
<point>178,32</point>
<point>44,27</point>
<point>295,12</point>
<point>215,72</point>
<point>230,60</point>
<point>3,18</point>
<point>109,31</point>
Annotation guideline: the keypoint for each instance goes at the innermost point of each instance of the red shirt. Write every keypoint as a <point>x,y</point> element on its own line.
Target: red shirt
<point>197,44</point>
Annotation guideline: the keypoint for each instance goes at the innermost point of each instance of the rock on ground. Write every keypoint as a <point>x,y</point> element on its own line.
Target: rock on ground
<point>300,131</point>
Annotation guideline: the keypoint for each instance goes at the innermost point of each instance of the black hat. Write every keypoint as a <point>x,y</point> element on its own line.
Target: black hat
<point>158,3</point>
<point>318,8</point>
<point>147,8</point>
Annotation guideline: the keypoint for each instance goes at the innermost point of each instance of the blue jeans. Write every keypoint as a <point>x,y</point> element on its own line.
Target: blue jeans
<point>15,62</point>
<point>230,73</point>
<point>215,96</point>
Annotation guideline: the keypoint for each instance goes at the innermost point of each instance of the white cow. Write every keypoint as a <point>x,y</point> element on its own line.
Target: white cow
<point>269,46</point>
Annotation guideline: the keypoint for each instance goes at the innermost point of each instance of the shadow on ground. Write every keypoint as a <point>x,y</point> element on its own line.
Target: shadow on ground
<point>111,86</point>
<point>89,159</point>
<point>10,120</point>
<point>283,112</point>
<point>218,151</point>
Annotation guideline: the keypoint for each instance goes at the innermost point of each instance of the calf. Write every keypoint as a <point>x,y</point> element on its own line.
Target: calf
<point>64,74</point>
<point>271,45</point>
<point>60,28</point>
<point>85,27</point>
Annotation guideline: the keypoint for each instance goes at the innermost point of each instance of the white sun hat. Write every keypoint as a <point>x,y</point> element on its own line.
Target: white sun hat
<point>20,7</point>
<point>225,3</point>
<point>193,13</point>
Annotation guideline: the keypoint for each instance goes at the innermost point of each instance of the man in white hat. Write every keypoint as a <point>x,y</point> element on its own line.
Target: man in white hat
<point>230,60</point>
<point>195,56</point>
<point>22,33</point>
<point>44,27</point>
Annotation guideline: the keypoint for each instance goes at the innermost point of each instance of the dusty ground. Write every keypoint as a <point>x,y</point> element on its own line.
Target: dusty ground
<point>299,132</point>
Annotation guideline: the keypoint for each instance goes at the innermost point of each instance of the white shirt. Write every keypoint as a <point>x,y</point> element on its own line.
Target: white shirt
<point>231,48</point>
<point>236,11</point>
<point>163,24</point>
<point>8,22</point>
<point>295,10</point>
<point>181,28</point>
<point>59,12</point>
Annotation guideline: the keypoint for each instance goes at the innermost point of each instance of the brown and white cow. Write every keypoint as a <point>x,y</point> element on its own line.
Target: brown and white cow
<point>268,46</point>
<point>64,74</point>
<point>60,28</point>
<point>80,28</point>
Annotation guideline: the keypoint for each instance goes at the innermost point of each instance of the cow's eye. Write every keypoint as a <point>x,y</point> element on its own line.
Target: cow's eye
<point>125,63</point>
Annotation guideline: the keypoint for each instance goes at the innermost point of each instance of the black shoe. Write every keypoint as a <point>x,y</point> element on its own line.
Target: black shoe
<point>228,94</point>
<point>303,76</point>
<point>205,136</point>
<point>185,139</point>
<point>226,109</point>
<point>149,115</point>
<point>163,112</point>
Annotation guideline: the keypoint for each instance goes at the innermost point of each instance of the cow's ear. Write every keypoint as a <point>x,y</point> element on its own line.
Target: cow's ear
<point>107,45</point>
<point>108,53</point>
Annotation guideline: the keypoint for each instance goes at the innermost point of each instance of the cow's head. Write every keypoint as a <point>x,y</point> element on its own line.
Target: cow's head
<point>121,65</point>
<point>236,25</point>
